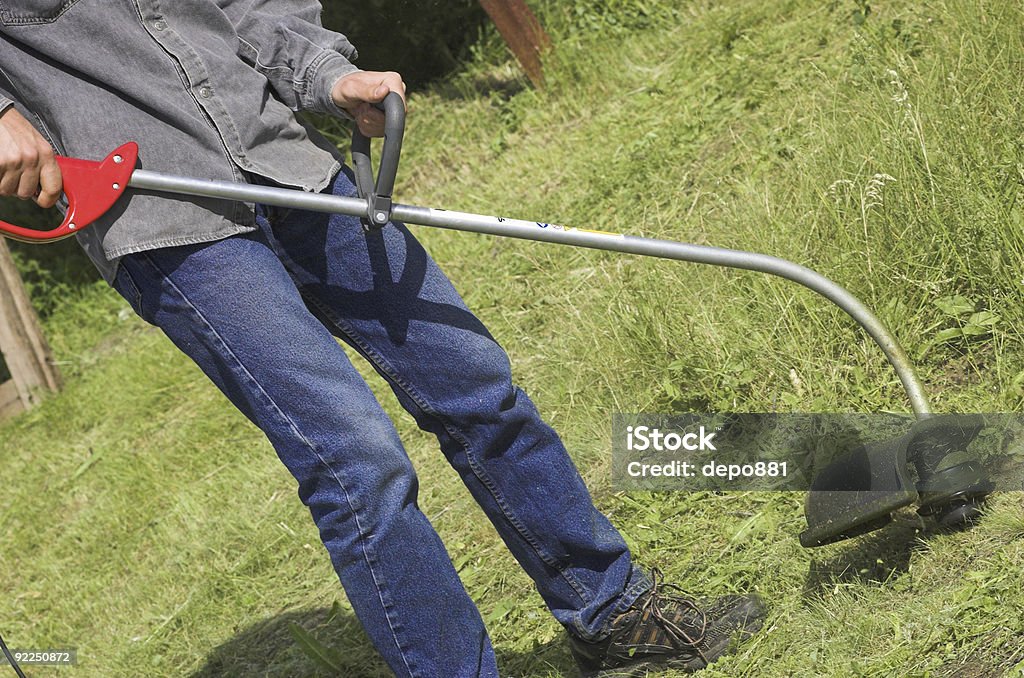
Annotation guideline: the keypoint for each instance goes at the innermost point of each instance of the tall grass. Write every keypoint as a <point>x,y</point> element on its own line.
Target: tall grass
<point>147,523</point>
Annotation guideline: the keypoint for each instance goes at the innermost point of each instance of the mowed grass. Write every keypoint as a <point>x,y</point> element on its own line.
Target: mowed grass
<point>146,523</point>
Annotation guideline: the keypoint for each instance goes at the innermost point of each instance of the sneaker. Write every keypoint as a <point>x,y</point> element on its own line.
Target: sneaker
<point>664,630</point>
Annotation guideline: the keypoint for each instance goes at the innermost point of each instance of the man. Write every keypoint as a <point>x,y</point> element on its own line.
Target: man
<point>255,296</point>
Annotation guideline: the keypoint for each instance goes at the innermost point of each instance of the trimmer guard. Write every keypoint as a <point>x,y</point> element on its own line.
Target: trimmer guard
<point>857,493</point>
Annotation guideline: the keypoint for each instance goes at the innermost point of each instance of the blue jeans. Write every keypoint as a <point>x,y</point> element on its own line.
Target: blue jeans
<point>257,313</point>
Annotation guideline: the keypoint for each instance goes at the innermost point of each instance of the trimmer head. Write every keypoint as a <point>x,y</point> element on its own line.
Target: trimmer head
<point>858,493</point>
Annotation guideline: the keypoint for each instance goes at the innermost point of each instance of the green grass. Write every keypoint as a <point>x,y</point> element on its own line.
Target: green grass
<point>147,523</point>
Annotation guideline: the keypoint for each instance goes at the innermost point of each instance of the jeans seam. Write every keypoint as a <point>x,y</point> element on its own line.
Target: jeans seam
<point>481,475</point>
<point>625,601</point>
<point>369,554</point>
<point>132,290</point>
<point>630,595</point>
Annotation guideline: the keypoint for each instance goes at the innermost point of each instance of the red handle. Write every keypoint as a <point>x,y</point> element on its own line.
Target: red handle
<point>91,189</point>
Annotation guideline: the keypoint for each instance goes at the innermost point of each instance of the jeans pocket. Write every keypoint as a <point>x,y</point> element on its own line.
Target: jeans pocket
<point>21,12</point>
<point>126,287</point>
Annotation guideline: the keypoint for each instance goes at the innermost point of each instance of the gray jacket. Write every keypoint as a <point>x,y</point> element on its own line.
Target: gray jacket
<point>206,87</point>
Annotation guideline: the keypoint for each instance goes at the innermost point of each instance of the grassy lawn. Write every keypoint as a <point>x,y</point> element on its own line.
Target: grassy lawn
<point>148,524</point>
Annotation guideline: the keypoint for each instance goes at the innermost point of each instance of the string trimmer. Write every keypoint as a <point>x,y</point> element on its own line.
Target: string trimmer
<point>853,495</point>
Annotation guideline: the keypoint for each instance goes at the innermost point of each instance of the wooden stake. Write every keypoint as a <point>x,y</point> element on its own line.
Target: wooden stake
<point>523,33</point>
<point>24,348</point>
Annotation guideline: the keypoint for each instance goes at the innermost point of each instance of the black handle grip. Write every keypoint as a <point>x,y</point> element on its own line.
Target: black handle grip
<point>394,130</point>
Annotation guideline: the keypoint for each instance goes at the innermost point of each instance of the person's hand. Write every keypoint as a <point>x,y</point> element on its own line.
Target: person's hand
<point>356,92</point>
<point>28,168</point>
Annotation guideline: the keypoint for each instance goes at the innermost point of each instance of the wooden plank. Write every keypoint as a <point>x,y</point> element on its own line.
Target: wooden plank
<point>41,353</point>
<point>24,348</point>
<point>10,400</point>
<point>523,33</point>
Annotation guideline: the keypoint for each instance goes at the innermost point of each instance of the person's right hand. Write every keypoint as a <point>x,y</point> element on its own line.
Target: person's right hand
<point>28,168</point>
<point>357,92</point>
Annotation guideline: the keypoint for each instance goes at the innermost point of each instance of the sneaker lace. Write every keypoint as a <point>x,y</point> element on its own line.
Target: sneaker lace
<point>652,606</point>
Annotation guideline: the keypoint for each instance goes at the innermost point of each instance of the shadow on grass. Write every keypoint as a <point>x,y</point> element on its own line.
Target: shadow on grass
<point>545,659</point>
<point>880,558</point>
<point>270,648</point>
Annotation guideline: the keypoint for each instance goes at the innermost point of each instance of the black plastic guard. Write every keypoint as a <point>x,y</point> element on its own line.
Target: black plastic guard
<point>858,493</point>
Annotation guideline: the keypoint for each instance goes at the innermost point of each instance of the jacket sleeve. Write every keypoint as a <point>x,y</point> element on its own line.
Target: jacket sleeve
<point>286,42</point>
<point>6,98</point>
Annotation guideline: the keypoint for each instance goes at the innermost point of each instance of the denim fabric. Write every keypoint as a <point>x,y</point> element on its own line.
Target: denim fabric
<point>206,88</point>
<point>257,312</point>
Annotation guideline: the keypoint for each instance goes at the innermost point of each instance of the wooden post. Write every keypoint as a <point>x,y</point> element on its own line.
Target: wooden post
<point>24,348</point>
<point>523,33</point>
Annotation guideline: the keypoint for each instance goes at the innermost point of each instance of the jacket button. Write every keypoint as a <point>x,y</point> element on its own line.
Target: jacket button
<point>205,92</point>
<point>159,24</point>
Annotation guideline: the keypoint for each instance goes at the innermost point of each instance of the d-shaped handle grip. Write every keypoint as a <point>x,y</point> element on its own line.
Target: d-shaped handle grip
<point>379,192</point>
<point>91,189</point>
